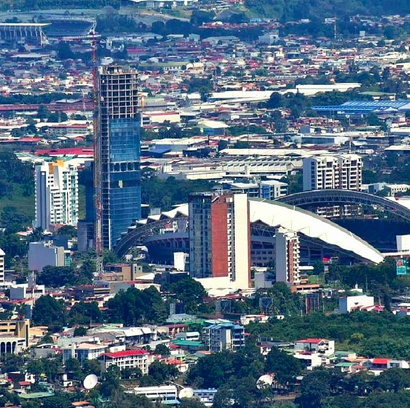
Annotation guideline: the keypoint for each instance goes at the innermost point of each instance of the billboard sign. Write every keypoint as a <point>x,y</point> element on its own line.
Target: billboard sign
<point>401,267</point>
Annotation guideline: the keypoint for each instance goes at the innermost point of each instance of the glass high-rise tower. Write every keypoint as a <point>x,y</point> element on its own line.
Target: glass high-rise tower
<point>119,151</point>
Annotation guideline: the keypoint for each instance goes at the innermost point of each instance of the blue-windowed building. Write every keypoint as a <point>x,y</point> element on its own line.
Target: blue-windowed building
<point>119,150</point>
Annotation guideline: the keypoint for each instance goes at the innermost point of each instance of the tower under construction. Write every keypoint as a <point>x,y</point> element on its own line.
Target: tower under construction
<point>117,155</point>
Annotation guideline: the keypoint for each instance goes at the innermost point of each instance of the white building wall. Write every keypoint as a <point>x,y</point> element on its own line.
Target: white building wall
<point>241,241</point>
<point>403,243</point>
<point>333,172</point>
<point>287,257</point>
<point>346,304</point>
<point>41,254</point>
<point>56,195</point>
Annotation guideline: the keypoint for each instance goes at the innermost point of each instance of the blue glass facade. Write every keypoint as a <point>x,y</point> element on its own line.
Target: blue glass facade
<point>266,192</point>
<point>124,175</point>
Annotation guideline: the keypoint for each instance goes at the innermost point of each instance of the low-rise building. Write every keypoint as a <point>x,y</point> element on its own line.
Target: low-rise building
<point>42,254</point>
<point>163,393</point>
<point>225,336</point>
<point>321,346</point>
<point>25,291</point>
<point>83,351</point>
<point>349,303</point>
<point>127,359</point>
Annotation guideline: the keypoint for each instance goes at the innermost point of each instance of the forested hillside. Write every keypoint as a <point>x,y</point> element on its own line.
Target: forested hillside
<point>291,9</point>
<point>282,9</point>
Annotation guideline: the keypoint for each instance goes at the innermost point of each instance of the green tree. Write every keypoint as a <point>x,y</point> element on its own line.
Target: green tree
<point>64,51</point>
<point>73,368</point>
<point>85,313</point>
<point>394,379</point>
<point>275,101</point>
<point>135,306</point>
<point>56,276</point>
<point>43,113</point>
<point>11,362</point>
<point>68,230</point>
<point>92,367</point>
<point>111,382</point>
<point>285,366</point>
<point>57,401</point>
<point>80,331</point>
<point>162,372</point>
<point>131,373</point>
<point>190,292</point>
<point>314,388</point>
<point>49,311</point>
<point>36,368</point>
<point>191,403</point>
<point>162,349</point>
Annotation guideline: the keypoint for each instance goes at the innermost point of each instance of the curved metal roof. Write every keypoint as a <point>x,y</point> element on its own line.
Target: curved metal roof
<point>305,222</point>
<point>275,214</point>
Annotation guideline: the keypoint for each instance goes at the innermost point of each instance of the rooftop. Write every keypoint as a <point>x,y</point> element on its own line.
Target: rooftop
<point>126,353</point>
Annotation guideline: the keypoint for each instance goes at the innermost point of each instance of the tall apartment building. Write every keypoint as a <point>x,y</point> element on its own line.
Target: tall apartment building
<point>119,149</point>
<point>287,259</point>
<point>56,194</point>
<point>219,237</point>
<point>332,172</point>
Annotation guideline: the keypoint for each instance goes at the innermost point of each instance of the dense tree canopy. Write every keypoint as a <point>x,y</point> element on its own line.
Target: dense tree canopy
<point>166,193</point>
<point>135,306</point>
<point>296,9</point>
<point>190,292</point>
<point>49,311</point>
<point>57,276</point>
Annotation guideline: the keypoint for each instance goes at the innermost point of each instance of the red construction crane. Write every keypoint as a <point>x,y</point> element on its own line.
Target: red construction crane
<point>97,161</point>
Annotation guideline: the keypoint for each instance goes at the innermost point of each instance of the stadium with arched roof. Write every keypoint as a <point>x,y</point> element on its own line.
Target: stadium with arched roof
<point>166,233</point>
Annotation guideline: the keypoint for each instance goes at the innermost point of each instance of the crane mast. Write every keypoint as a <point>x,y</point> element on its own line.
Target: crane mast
<point>97,161</point>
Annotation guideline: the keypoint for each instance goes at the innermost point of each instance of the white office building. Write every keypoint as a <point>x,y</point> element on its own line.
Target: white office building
<point>333,172</point>
<point>287,259</point>
<point>56,195</point>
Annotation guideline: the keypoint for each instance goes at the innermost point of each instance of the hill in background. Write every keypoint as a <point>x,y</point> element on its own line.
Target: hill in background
<point>286,10</point>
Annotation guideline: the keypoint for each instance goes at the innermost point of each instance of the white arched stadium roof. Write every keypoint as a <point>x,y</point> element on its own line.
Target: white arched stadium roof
<point>275,214</point>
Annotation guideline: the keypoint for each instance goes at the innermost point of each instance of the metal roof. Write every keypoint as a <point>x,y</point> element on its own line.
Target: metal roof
<point>365,106</point>
<point>275,214</point>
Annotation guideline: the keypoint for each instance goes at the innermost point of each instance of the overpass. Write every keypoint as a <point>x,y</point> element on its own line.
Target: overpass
<point>322,198</point>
